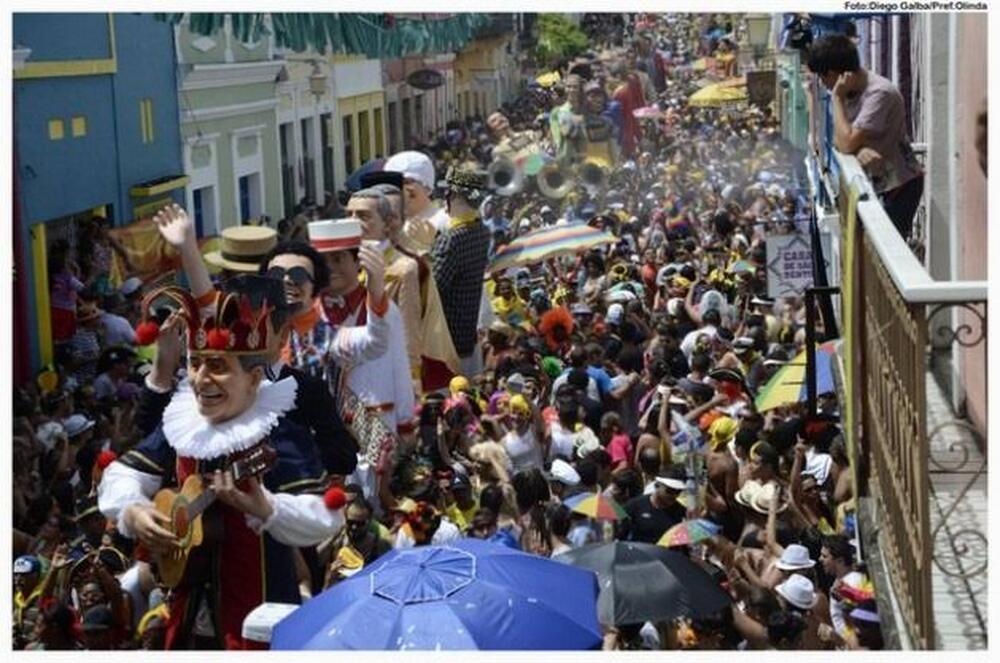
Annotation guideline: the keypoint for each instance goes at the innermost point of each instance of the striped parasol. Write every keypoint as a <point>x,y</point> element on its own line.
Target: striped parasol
<point>688,532</point>
<point>788,385</point>
<point>596,505</point>
<point>545,243</point>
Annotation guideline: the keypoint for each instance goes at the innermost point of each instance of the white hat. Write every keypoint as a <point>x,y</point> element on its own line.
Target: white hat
<point>795,557</point>
<point>799,591</point>
<point>329,235</point>
<point>674,306</point>
<point>48,433</point>
<point>756,496</point>
<point>742,344</point>
<point>414,166</point>
<point>615,314</point>
<point>130,285</point>
<point>669,482</point>
<point>564,473</point>
<point>76,424</point>
<point>817,466</point>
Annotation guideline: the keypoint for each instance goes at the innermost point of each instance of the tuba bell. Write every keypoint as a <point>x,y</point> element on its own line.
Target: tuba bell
<point>553,180</point>
<point>505,178</point>
<point>593,174</point>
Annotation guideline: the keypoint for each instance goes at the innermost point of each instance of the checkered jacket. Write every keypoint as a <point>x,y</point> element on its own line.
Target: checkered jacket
<point>459,257</point>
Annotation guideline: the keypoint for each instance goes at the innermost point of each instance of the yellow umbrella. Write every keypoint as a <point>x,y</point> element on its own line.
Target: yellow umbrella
<point>716,96</point>
<point>735,81</point>
<point>549,79</point>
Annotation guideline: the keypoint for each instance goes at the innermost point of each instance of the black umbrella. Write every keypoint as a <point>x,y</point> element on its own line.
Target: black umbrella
<point>644,582</point>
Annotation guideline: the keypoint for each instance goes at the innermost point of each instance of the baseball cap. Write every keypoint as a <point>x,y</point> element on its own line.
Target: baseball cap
<point>581,309</point>
<point>27,564</point>
<point>413,165</point>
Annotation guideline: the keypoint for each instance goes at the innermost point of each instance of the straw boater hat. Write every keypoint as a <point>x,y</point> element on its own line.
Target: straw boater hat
<point>330,235</point>
<point>243,247</point>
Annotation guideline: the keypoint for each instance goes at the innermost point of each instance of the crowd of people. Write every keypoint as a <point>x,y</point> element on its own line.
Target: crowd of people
<point>411,395</point>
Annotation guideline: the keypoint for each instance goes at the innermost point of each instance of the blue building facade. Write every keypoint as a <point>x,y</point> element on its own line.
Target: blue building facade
<point>97,131</point>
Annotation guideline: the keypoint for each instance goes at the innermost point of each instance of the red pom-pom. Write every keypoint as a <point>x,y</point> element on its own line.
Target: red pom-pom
<point>105,458</point>
<point>335,498</point>
<point>147,332</point>
<point>218,339</point>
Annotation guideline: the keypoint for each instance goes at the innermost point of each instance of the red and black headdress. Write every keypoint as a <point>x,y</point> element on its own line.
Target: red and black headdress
<point>233,325</point>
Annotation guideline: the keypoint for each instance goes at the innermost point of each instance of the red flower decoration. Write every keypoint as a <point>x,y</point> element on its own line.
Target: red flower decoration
<point>147,332</point>
<point>335,498</point>
<point>218,339</point>
<point>105,458</point>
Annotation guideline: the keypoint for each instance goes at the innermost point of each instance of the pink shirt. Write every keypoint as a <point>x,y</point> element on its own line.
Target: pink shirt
<point>620,448</point>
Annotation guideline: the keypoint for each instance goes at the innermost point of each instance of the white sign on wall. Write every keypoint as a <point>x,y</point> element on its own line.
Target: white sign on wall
<point>790,263</point>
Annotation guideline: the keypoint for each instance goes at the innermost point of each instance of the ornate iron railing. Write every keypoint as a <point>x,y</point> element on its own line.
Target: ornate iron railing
<point>889,305</point>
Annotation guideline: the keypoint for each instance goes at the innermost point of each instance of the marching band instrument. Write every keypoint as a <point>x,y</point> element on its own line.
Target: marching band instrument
<point>593,174</point>
<point>185,507</point>
<point>505,177</point>
<point>553,181</point>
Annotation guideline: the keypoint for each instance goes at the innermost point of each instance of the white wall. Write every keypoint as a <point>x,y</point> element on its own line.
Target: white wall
<point>353,78</point>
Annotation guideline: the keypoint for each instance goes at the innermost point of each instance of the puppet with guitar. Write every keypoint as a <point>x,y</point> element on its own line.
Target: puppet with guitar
<point>208,494</point>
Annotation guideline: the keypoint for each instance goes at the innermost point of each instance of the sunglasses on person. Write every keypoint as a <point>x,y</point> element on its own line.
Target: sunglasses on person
<point>298,275</point>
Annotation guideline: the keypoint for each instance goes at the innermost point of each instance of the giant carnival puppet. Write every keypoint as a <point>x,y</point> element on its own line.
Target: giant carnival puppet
<point>210,494</point>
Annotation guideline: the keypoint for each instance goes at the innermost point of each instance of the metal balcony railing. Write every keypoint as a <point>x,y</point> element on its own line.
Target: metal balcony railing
<point>889,306</point>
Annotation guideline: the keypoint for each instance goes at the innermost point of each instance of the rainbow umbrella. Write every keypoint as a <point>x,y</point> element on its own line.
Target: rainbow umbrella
<point>788,385</point>
<point>596,505</point>
<point>688,532</point>
<point>545,243</point>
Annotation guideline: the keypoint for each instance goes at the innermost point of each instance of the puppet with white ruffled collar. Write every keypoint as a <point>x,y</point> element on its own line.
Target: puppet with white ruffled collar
<point>224,409</point>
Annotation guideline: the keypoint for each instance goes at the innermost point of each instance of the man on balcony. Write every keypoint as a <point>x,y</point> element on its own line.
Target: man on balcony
<point>869,117</point>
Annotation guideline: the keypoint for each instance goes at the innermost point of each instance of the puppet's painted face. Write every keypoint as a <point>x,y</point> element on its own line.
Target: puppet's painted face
<point>222,388</point>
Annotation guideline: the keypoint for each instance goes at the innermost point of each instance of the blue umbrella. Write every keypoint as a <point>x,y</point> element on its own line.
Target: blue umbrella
<point>353,182</point>
<point>469,594</point>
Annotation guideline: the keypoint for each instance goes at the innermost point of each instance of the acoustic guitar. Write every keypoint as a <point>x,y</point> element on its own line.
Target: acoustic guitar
<point>185,507</point>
